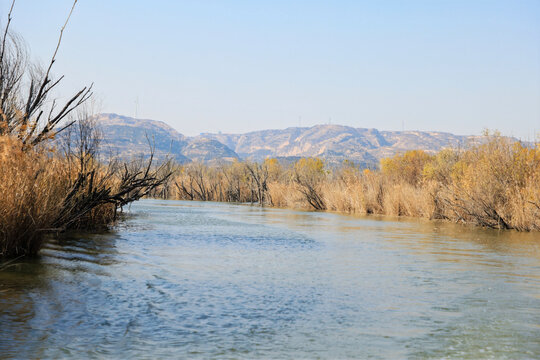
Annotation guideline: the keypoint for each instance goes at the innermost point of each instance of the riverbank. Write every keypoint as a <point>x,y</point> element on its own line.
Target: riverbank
<point>46,190</point>
<point>494,184</point>
<point>52,175</point>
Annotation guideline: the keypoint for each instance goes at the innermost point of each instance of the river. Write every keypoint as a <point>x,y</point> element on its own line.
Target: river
<point>204,280</point>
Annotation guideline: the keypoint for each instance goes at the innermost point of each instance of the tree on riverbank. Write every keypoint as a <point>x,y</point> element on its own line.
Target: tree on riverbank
<point>26,110</point>
<point>494,184</point>
<point>50,186</point>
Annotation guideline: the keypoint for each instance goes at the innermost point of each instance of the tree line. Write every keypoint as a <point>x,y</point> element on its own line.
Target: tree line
<point>494,183</point>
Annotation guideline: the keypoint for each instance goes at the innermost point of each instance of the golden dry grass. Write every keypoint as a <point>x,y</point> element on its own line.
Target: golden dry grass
<point>30,194</point>
<point>495,184</point>
<point>34,184</point>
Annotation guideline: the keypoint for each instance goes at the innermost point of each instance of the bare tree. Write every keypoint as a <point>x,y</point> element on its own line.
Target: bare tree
<point>197,185</point>
<point>308,174</point>
<point>93,184</point>
<point>26,110</point>
<point>259,176</point>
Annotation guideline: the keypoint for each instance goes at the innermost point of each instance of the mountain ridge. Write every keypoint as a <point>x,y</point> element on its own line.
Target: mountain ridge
<point>334,143</point>
<point>132,137</point>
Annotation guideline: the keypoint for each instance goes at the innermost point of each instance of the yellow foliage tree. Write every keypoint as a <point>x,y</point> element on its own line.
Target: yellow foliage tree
<point>308,174</point>
<point>407,167</point>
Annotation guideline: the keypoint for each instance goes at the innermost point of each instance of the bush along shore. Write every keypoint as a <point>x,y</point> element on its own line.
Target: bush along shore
<point>44,190</point>
<point>494,184</point>
<point>50,176</point>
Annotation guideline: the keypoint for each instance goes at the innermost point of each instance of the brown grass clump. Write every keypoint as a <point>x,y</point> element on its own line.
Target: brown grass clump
<point>30,194</point>
<point>344,193</point>
<point>285,195</point>
<point>403,199</point>
<point>373,186</point>
<point>35,188</point>
<point>43,191</point>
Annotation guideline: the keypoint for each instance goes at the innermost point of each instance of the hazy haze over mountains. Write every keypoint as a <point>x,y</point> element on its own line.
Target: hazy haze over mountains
<point>334,143</point>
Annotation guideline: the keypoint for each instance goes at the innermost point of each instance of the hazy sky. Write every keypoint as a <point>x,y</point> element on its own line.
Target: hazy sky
<point>237,66</point>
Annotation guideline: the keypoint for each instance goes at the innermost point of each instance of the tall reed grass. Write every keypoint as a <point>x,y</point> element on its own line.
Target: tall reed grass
<point>43,190</point>
<point>494,184</point>
<point>30,193</point>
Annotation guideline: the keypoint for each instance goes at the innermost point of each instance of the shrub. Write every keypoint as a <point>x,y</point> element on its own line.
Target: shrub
<point>493,184</point>
<point>407,167</point>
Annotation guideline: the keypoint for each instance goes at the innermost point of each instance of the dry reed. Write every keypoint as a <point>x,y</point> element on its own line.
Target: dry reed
<point>495,184</point>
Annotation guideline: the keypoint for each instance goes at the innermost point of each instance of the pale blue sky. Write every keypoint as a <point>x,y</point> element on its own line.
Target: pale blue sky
<point>237,66</point>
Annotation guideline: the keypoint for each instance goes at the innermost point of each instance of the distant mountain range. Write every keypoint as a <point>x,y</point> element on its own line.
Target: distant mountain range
<point>129,136</point>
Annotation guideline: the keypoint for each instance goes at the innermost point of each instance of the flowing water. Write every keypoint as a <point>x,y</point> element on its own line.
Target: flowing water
<point>207,280</point>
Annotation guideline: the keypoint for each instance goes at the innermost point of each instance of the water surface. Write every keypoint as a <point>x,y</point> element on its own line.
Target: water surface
<point>207,280</point>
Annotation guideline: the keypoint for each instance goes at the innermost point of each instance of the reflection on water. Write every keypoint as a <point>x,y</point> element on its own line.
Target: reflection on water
<point>205,280</point>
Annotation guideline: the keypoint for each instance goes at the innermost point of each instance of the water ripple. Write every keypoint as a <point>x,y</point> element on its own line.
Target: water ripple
<point>206,280</point>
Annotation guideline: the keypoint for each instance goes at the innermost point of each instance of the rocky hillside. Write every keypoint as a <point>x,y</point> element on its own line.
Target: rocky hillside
<point>335,143</point>
<point>129,137</point>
